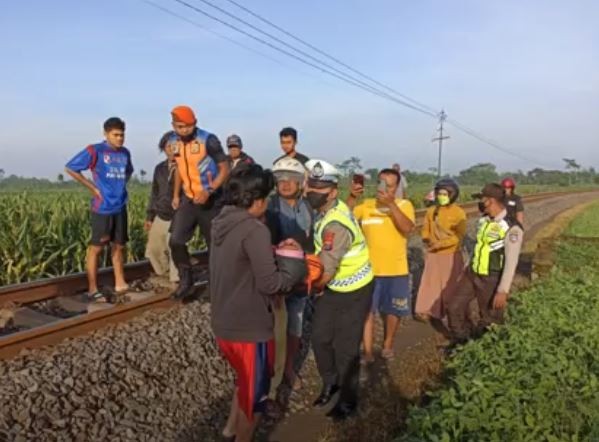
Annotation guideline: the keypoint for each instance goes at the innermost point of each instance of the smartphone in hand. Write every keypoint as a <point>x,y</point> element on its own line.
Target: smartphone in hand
<point>382,187</point>
<point>358,178</point>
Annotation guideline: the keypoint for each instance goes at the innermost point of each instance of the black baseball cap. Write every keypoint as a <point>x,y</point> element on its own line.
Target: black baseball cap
<point>491,190</point>
<point>234,141</point>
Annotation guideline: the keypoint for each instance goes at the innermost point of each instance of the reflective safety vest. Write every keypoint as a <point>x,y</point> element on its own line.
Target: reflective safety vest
<point>489,252</point>
<point>193,162</point>
<point>354,270</point>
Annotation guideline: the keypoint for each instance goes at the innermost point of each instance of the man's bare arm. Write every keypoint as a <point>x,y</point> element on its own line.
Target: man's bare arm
<point>78,176</point>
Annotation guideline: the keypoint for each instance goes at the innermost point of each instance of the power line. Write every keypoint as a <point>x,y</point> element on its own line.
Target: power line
<point>330,70</point>
<point>235,42</point>
<point>493,144</point>
<point>336,73</point>
<point>330,57</point>
<point>455,123</point>
<point>218,34</point>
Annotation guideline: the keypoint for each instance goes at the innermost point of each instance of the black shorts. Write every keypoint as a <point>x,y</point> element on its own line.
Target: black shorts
<point>109,228</point>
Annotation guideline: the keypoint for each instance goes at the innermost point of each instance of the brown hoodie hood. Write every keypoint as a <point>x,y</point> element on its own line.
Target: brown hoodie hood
<point>244,274</point>
<point>230,218</point>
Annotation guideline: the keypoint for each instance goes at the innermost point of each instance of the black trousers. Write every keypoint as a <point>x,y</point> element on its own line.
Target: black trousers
<point>187,217</point>
<point>337,329</point>
<point>472,286</point>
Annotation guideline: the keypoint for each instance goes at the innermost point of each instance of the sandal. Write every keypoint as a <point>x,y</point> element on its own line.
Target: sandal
<point>98,297</point>
<point>365,361</point>
<point>387,354</point>
<point>123,290</point>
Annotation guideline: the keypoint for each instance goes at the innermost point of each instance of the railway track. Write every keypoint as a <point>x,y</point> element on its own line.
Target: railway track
<point>47,311</point>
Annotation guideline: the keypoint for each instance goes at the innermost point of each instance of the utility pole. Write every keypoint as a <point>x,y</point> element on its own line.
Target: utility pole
<point>440,138</point>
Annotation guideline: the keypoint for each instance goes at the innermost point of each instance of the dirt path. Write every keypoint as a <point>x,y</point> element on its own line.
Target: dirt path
<point>390,387</point>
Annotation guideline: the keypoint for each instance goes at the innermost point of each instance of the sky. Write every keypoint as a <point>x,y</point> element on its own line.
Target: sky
<point>524,74</point>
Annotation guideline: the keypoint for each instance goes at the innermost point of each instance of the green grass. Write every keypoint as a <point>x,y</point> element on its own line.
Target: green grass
<point>587,224</point>
<point>534,379</point>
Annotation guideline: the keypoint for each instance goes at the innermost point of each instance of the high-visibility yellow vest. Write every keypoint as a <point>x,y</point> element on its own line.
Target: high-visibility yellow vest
<point>489,252</point>
<point>354,270</point>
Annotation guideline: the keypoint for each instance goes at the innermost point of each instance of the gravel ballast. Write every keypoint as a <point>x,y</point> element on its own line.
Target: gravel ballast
<point>158,377</point>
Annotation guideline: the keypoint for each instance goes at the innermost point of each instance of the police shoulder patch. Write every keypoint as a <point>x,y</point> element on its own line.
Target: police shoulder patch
<point>514,237</point>
<point>328,238</point>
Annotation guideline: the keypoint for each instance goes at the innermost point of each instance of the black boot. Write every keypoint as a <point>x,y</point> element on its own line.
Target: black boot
<point>342,411</point>
<point>186,287</point>
<point>327,393</point>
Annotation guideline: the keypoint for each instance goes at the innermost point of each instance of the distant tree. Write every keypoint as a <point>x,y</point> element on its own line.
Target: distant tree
<point>572,166</point>
<point>2,174</point>
<point>541,176</point>
<point>479,174</point>
<point>420,178</point>
<point>371,173</point>
<point>60,178</point>
<point>142,174</point>
<point>349,166</point>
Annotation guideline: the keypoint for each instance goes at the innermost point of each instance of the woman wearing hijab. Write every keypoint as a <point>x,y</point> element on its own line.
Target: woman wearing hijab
<point>442,234</point>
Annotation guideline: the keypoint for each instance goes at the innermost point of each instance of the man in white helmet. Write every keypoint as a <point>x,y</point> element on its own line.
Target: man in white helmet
<point>289,216</point>
<point>345,291</point>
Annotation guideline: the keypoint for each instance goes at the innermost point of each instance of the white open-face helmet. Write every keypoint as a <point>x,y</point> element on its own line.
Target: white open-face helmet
<point>289,168</point>
<point>322,171</point>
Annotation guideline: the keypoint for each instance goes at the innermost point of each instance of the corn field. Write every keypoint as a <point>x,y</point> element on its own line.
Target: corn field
<point>45,234</point>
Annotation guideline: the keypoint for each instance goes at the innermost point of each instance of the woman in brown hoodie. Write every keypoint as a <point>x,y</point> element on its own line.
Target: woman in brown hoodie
<point>244,275</point>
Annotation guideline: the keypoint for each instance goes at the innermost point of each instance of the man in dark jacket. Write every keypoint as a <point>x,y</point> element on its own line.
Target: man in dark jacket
<point>289,216</point>
<point>160,213</point>
<point>244,276</point>
<point>236,154</point>
<point>513,202</point>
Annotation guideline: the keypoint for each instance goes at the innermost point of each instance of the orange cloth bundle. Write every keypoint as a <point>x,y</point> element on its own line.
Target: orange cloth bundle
<point>314,268</point>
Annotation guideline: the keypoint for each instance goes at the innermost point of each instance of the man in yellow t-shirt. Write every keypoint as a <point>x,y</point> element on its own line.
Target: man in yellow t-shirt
<point>386,222</point>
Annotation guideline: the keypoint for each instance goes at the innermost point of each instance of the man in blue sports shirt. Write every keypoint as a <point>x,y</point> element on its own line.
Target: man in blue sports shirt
<point>111,167</point>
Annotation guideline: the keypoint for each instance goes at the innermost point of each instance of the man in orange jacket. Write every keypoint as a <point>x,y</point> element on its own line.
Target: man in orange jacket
<point>202,169</point>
